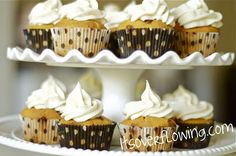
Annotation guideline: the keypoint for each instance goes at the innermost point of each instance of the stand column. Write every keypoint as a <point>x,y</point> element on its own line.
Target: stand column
<point>118,89</point>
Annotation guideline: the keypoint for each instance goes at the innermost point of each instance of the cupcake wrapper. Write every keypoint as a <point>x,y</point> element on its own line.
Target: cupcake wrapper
<point>86,137</point>
<point>88,41</point>
<point>188,43</point>
<point>194,141</point>
<point>146,139</point>
<point>155,42</point>
<point>113,44</point>
<point>38,39</point>
<point>42,131</point>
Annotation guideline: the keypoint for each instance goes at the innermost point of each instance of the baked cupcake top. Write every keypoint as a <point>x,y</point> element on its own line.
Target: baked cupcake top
<point>195,13</point>
<point>187,106</point>
<point>82,10</point>
<point>51,95</point>
<point>45,13</point>
<point>114,16</point>
<point>80,107</point>
<point>151,10</point>
<point>150,105</point>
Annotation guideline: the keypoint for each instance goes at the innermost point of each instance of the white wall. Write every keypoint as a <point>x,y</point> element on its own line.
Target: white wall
<point>7,68</point>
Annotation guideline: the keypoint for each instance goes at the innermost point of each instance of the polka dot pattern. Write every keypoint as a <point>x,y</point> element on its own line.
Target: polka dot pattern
<point>40,131</point>
<point>91,137</point>
<point>195,142</point>
<point>187,42</point>
<point>88,41</point>
<point>155,42</point>
<point>38,39</point>
<point>144,134</point>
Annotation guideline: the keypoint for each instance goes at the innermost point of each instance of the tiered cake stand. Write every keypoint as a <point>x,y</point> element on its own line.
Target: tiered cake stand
<point>119,77</point>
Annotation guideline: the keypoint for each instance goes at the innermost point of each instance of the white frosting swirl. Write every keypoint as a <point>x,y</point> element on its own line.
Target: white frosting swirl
<point>45,13</point>
<point>81,10</point>
<point>150,105</point>
<point>151,10</point>
<point>114,17</point>
<point>187,106</point>
<point>51,95</point>
<point>195,13</point>
<point>80,107</point>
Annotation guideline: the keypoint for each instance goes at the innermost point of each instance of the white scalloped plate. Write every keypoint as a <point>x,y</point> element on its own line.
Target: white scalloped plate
<point>107,59</point>
<point>10,135</point>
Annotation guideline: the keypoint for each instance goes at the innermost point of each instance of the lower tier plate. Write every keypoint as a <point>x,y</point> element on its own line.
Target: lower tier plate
<point>11,135</point>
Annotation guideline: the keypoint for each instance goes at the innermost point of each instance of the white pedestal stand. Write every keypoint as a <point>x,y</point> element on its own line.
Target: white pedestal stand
<point>119,77</point>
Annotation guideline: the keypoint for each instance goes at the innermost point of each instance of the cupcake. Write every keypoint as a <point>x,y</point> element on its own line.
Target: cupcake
<point>82,124</point>
<point>80,27</point>
<point>41,19</point>
<point>114,16</point>
<point>197,28</point>
<point>149,28</point>
<point>42,113</point>
<point>194,117</point>
<point>148,126</point>
<point>90,82</point>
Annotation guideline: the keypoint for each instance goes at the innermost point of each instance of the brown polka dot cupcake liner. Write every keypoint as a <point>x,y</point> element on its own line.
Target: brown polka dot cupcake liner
<point>86,40</point>
<point>41,131</point>
<point>198,135</point>
<point>155,42</point>
<point>113,44</point>
<point>190,42</point>
<point>38,39</point>
<point>146,139</point>
<point>86,137</point>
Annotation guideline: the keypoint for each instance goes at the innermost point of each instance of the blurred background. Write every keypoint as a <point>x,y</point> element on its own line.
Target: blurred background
<point>18,79</point>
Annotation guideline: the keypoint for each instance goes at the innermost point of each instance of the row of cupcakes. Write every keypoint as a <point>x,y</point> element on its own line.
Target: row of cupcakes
<point>179,119</point>
<point>150,26</point>
<point>76,120</point>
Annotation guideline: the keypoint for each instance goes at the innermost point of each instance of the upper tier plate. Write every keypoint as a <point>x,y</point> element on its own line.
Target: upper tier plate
<point>106,59</point>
